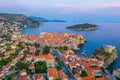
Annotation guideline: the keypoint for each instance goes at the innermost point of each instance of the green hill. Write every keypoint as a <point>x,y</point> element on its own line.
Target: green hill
<point>85,26</point>
<point>17,19</point>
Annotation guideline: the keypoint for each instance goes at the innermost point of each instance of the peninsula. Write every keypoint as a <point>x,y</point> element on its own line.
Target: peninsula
<point>56,39</point>
<point>41,19</point>
<point>85,26</point>
<point>17,20</point>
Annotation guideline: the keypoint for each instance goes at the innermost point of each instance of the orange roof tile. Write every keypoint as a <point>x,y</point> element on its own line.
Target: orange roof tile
<point>1,72</point>
<point>62,74</point>
<point>23,70</point>
<point>52,72</point>
<point>72,63</point>
<point>37,76</point>
<point>6,66</point>
<point>78,75</point>
<point>32,66</point>
<point>26,77</point>
<point>47,57</point>
<point>118,70</point>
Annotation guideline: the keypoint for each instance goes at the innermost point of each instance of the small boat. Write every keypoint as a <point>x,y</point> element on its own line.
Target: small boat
<point>84,53</point>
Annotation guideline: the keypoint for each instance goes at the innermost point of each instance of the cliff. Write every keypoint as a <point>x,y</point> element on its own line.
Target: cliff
<point>17,20</point>
<point>107,53</point>
<point>80,41</point>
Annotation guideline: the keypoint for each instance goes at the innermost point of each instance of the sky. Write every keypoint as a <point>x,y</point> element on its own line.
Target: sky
<point>73,10</point>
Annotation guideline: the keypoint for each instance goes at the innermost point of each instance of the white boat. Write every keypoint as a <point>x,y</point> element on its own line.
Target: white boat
<point>84,53</point>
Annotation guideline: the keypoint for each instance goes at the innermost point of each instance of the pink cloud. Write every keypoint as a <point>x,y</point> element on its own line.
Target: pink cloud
<point>75,8</point>
<point>4,3</point>
<point>113,5</point>
<point>68,6</point>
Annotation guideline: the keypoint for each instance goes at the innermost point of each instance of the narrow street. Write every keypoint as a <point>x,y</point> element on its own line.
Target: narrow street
<point>58,54</point>
<point>110,75</point>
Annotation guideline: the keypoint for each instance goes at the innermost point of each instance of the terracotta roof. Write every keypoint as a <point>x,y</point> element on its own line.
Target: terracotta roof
<point>52,72</point>
<point>23,44</point>
<point>6,66</point>
<point>26,77</point>
<point>87,78</point>
<point>47,57</point>
<point>62,75</point>
<point>23,70</point>
<point>1,72</point>
<point>12,50</point>
<point>32,66</point>
<point>5,56</point>
<point>118,70</point>
<point>28,56</point>
<point>72,63</point>
<point>19,56</point>
<point>38,76</point>
<point>53,38</point>
<point>78,75</point>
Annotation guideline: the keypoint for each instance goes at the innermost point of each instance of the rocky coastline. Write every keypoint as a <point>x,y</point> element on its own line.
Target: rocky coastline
<point>107,53</point>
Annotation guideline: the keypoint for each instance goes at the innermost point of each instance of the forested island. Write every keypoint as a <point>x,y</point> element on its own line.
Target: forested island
<point>85,26</point>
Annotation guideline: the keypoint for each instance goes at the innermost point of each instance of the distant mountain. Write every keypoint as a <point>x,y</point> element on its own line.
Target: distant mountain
<point>41,19</point>
<point>18,19</point>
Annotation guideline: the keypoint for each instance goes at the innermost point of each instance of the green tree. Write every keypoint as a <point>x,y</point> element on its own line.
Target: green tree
<point>59,64</point>
<point>83,73</point>
<point>58,79</point>
<point>40,67</point>
<point>37,52</point>
<point>46,50</point>
<point>37,45</point>
<point>65,47</point>
<point>9,78</point>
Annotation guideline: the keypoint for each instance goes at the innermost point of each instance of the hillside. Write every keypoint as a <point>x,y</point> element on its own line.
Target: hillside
<point>41,19</point>
<point>85,26</point>
<point>17,20</point>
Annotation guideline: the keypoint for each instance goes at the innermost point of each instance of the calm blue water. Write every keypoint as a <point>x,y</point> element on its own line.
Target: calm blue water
<point>107,33</point>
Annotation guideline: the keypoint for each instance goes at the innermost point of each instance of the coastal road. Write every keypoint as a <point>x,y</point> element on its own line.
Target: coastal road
<point>58,54</point>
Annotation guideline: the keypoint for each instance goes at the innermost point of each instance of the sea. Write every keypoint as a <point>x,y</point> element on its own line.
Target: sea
<point>106,34</point>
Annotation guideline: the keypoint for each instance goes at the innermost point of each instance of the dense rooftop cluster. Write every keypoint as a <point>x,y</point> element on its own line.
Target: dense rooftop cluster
<point>56,39</point>
<point>26,57</point>
<point>84,68</point>
<point>25,61</point>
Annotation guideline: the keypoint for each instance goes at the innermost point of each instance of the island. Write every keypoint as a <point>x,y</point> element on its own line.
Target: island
<point>85,26</point>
